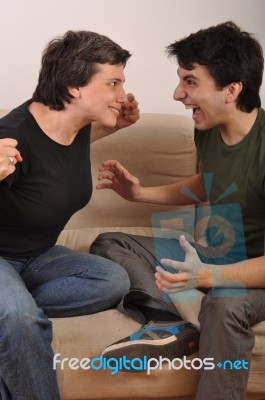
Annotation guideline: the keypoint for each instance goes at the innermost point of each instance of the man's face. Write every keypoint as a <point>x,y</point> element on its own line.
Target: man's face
<point>102,98</point>
<point>197,91</point>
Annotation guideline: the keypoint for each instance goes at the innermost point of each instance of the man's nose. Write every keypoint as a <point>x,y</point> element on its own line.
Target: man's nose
<point>179,93</point>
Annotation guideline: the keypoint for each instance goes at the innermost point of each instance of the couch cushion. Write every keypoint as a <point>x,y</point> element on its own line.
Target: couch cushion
<point>81,239</point>
<point>95,332</point>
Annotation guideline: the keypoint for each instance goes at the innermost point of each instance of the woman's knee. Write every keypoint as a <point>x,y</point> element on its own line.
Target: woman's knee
<point>118,279</point>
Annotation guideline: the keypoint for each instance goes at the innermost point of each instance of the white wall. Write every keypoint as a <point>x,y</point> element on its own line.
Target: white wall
<point>144,27</point>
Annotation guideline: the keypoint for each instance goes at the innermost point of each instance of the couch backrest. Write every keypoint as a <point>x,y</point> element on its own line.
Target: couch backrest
<point>158,149</point>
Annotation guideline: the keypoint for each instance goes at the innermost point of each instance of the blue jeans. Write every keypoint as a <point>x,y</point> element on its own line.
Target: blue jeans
<point>58,283</point>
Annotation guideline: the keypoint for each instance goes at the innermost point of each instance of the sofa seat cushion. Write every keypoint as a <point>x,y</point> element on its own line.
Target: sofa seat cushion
<point>81,239</point>
<point>95,332</point>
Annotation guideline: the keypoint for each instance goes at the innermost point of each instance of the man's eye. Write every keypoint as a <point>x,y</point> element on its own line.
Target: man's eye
<point>190,82</point>
<point>113,83</point>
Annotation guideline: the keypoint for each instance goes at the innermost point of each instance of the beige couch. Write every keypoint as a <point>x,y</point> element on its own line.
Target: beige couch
<point>158,149</point>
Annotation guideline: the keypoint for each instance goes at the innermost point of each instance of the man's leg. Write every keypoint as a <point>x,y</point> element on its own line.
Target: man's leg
<point>26,357</point>
<point>226,335</point>
<point>66,283</point>
<point>139,256</point>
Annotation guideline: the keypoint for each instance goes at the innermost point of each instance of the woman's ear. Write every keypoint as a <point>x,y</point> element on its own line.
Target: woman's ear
<point>74,92</point>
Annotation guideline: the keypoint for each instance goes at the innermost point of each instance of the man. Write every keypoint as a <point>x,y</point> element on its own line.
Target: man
<point>45,178</point>
<point>220,74</point>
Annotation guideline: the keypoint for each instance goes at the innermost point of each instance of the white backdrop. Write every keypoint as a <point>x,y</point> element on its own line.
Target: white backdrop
<point>144,27</point>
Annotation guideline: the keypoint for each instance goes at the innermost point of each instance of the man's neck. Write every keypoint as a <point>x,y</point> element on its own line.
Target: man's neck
<point>237,126</point>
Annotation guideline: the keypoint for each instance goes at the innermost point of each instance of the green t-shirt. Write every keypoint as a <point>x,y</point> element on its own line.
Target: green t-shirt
<point>243,166</point>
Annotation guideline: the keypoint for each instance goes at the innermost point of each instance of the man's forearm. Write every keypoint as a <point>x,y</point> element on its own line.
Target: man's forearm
<point>171,194</point>
<point>249,274</point>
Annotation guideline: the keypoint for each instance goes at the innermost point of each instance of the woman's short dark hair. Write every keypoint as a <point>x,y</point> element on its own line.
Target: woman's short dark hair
<point>71,60</point>
<point>229,54</point>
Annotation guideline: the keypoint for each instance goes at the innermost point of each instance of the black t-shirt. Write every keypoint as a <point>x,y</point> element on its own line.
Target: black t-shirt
<point>48,187</point>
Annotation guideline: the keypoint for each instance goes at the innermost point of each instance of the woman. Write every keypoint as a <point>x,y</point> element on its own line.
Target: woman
<point>45,178</point>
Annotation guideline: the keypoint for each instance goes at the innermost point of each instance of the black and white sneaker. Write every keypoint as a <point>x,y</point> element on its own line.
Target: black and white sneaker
<point>170,340</point>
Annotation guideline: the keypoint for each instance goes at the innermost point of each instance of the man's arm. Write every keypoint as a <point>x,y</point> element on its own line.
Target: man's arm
<point>172,194</point>
<point>128,186</point>
<point>251,273</point>
<point>129,114</point>
<point>192,273</point>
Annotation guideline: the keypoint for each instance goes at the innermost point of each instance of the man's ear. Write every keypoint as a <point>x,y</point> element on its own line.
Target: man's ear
<point>74,92</point>
<point>232,91</point>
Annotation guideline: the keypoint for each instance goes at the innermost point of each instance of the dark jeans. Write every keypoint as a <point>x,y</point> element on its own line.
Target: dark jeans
<point>225,320</point>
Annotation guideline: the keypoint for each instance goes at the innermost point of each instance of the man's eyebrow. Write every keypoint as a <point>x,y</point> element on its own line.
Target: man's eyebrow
<point>190,76</point>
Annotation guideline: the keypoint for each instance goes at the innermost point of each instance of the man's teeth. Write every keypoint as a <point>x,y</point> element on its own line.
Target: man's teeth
<point>195,109</point>
<point>191,106</point>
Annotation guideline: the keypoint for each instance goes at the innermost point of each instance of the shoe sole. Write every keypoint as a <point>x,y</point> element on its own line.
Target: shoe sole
<point>187,343</point>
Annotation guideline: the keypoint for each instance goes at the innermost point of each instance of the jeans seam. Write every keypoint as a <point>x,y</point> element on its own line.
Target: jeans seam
<point>9,373</point>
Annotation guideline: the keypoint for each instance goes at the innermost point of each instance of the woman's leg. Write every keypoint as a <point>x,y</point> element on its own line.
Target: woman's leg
<point>67,283</point>
<point>26,356</point>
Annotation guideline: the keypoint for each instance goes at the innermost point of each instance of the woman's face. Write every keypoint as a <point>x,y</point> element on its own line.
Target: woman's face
<point>102,98</point>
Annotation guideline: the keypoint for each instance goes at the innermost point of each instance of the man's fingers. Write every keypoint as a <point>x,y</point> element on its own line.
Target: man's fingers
<point>174,289</point>
<point>111,164</point>
<point>187,247</point>
<point>176,282</point>
<point>105,175</point>
<point>177,265</point>
<point>104,186</point>
<point>169,277</point>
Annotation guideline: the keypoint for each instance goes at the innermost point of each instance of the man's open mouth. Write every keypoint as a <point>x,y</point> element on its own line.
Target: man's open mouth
<point>195,109</point>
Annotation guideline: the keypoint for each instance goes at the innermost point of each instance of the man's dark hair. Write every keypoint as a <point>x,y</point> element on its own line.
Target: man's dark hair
<point>71,60</point>
<point>229,54</point>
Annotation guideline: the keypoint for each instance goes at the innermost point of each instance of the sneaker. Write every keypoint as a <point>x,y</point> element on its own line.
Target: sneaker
<point>170,340</point>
